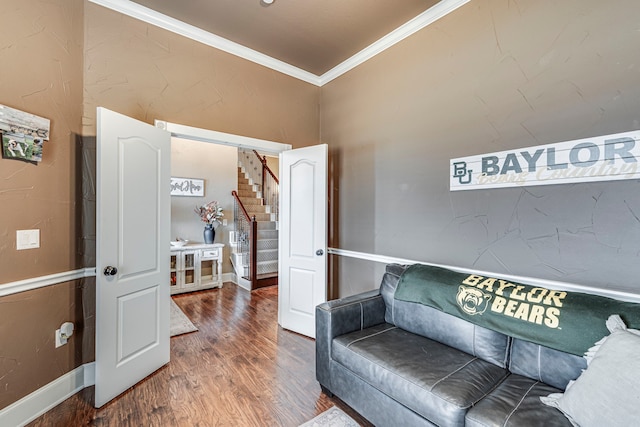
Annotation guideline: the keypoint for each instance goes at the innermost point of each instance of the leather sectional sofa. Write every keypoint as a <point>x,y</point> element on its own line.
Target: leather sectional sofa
<point>403,363</point>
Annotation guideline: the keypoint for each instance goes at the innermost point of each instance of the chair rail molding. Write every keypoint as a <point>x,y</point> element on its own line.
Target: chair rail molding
<point>44,281</point>
<point>551,284</point>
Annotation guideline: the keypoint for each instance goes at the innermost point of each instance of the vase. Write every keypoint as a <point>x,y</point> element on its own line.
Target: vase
<point>209,233</point>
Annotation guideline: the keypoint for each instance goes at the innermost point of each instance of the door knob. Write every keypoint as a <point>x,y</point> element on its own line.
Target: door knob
<point>110,271</point>
<point>319,252</point>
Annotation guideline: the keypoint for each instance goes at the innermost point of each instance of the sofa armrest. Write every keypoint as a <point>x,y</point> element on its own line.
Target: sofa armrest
<point>339,317</point>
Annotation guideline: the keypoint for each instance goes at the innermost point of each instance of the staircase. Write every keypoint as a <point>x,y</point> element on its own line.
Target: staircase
<point>250,201</point>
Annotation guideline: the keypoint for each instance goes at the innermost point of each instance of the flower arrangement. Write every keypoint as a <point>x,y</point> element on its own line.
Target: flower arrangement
<point>210,213</point>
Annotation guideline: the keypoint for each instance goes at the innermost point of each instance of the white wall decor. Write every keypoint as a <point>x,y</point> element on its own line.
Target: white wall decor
<point>602,158</point>
<point>187,187</point>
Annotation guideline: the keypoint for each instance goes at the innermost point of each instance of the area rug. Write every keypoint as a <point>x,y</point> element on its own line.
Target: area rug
<point>332,417</point>
<point>179,323</point>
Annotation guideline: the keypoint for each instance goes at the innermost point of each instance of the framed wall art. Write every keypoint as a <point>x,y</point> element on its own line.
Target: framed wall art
<point>23,134</point>
<point>187,187</point>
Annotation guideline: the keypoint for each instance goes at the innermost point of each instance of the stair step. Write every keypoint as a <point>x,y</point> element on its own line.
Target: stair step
<point>267,267</point>
<point>260,217</point>
<point>267,225</point>
<point>267,255</point>
<point>248,194</point>
<point>256,209</point>
<point>264,244</point>
<point>267,234</point>
<point>250,201</point>
<point>248,187</point>
<point>267,279</point>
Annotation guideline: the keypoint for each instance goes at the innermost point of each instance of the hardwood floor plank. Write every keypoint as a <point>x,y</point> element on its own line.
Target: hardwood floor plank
<point>239,369</point>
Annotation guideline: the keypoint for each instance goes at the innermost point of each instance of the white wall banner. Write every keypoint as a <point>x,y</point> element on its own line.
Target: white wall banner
<point>601,158</point>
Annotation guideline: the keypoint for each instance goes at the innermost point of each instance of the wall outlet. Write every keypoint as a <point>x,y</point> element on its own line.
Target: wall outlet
<point>60,340</point>
<point>64,333</point>
<point>224,222</point>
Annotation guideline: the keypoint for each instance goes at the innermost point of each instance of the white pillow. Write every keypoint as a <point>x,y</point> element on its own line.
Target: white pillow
<point>607,393</point>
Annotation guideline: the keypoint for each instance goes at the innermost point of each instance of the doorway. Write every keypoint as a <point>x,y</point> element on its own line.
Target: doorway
<point>220,173</point>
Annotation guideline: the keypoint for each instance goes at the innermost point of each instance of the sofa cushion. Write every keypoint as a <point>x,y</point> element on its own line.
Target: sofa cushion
<point>516,403</point>
<point>436,381</point>
<point>390,280</point>
<point>608,391</point>
<point>545,364</point>
<point>432,323</point>
<point>429,322</point>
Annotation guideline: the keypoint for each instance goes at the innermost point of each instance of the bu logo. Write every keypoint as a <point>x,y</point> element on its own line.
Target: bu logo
<point>460,171</point>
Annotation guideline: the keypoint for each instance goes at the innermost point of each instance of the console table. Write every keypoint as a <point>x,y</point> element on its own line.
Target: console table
<point>196,266</point>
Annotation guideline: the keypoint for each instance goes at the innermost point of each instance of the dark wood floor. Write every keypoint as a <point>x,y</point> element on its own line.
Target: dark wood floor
<point>239,369</point>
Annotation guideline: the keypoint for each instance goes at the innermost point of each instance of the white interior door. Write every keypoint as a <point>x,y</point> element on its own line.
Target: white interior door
<point>303,237</point>
<point>132,231</point>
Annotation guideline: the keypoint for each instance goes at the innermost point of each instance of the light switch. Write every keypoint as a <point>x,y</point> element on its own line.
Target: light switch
<point>27,239</point>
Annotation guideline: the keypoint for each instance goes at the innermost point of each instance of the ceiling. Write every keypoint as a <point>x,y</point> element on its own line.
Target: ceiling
<point>312,35</point>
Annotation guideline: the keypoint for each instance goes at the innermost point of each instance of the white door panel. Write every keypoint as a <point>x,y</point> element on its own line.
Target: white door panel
<point>303,237</point>
<point>132,235</point>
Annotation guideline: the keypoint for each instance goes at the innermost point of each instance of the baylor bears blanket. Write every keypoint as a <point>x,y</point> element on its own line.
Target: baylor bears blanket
<point>568,321</point>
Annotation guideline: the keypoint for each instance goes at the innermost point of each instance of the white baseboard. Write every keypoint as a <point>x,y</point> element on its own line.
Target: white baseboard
<point>229,277</point>
<point>45,398</point>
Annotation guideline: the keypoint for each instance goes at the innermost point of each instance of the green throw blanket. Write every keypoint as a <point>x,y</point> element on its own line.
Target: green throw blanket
<point>568,321</point>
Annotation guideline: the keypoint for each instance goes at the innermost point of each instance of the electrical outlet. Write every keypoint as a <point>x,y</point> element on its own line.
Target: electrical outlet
<point>60,340</point>
<point>224,222</point>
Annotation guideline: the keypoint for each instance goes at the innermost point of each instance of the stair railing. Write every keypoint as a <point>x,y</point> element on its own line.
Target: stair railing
<point>270,186</point>
<point>246,228</point>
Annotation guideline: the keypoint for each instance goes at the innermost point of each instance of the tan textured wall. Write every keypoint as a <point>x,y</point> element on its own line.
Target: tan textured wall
<point>149,73</point>
<point>28,357</point>
<point>131,68</point>
<point>41,73</point>
<point>491,76</point>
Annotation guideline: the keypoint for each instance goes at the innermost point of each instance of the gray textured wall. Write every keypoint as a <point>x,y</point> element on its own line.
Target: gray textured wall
<point>493,75</point>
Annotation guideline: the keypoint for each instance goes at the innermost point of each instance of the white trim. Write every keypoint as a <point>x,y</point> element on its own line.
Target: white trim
<point>552,284</point>
<point>152,17</point>
<point>212,136</point>
<point>43,281</point>
<point>40,401</point>
<point>426,18</point>
<point>89,374</point>
<point>228,277</point>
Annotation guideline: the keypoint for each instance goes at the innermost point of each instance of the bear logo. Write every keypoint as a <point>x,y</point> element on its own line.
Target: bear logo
<point>472,301</point>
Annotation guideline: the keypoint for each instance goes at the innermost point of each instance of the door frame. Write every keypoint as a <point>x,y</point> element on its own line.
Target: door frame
<point>215,137</point>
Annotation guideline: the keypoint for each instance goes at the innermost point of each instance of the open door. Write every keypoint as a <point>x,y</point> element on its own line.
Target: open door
<point>132,249</point>
<point>303,237</point>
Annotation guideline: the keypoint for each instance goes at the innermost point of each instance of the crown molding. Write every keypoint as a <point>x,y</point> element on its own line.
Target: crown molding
<point>427,17</point>
<point>152,17</point>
